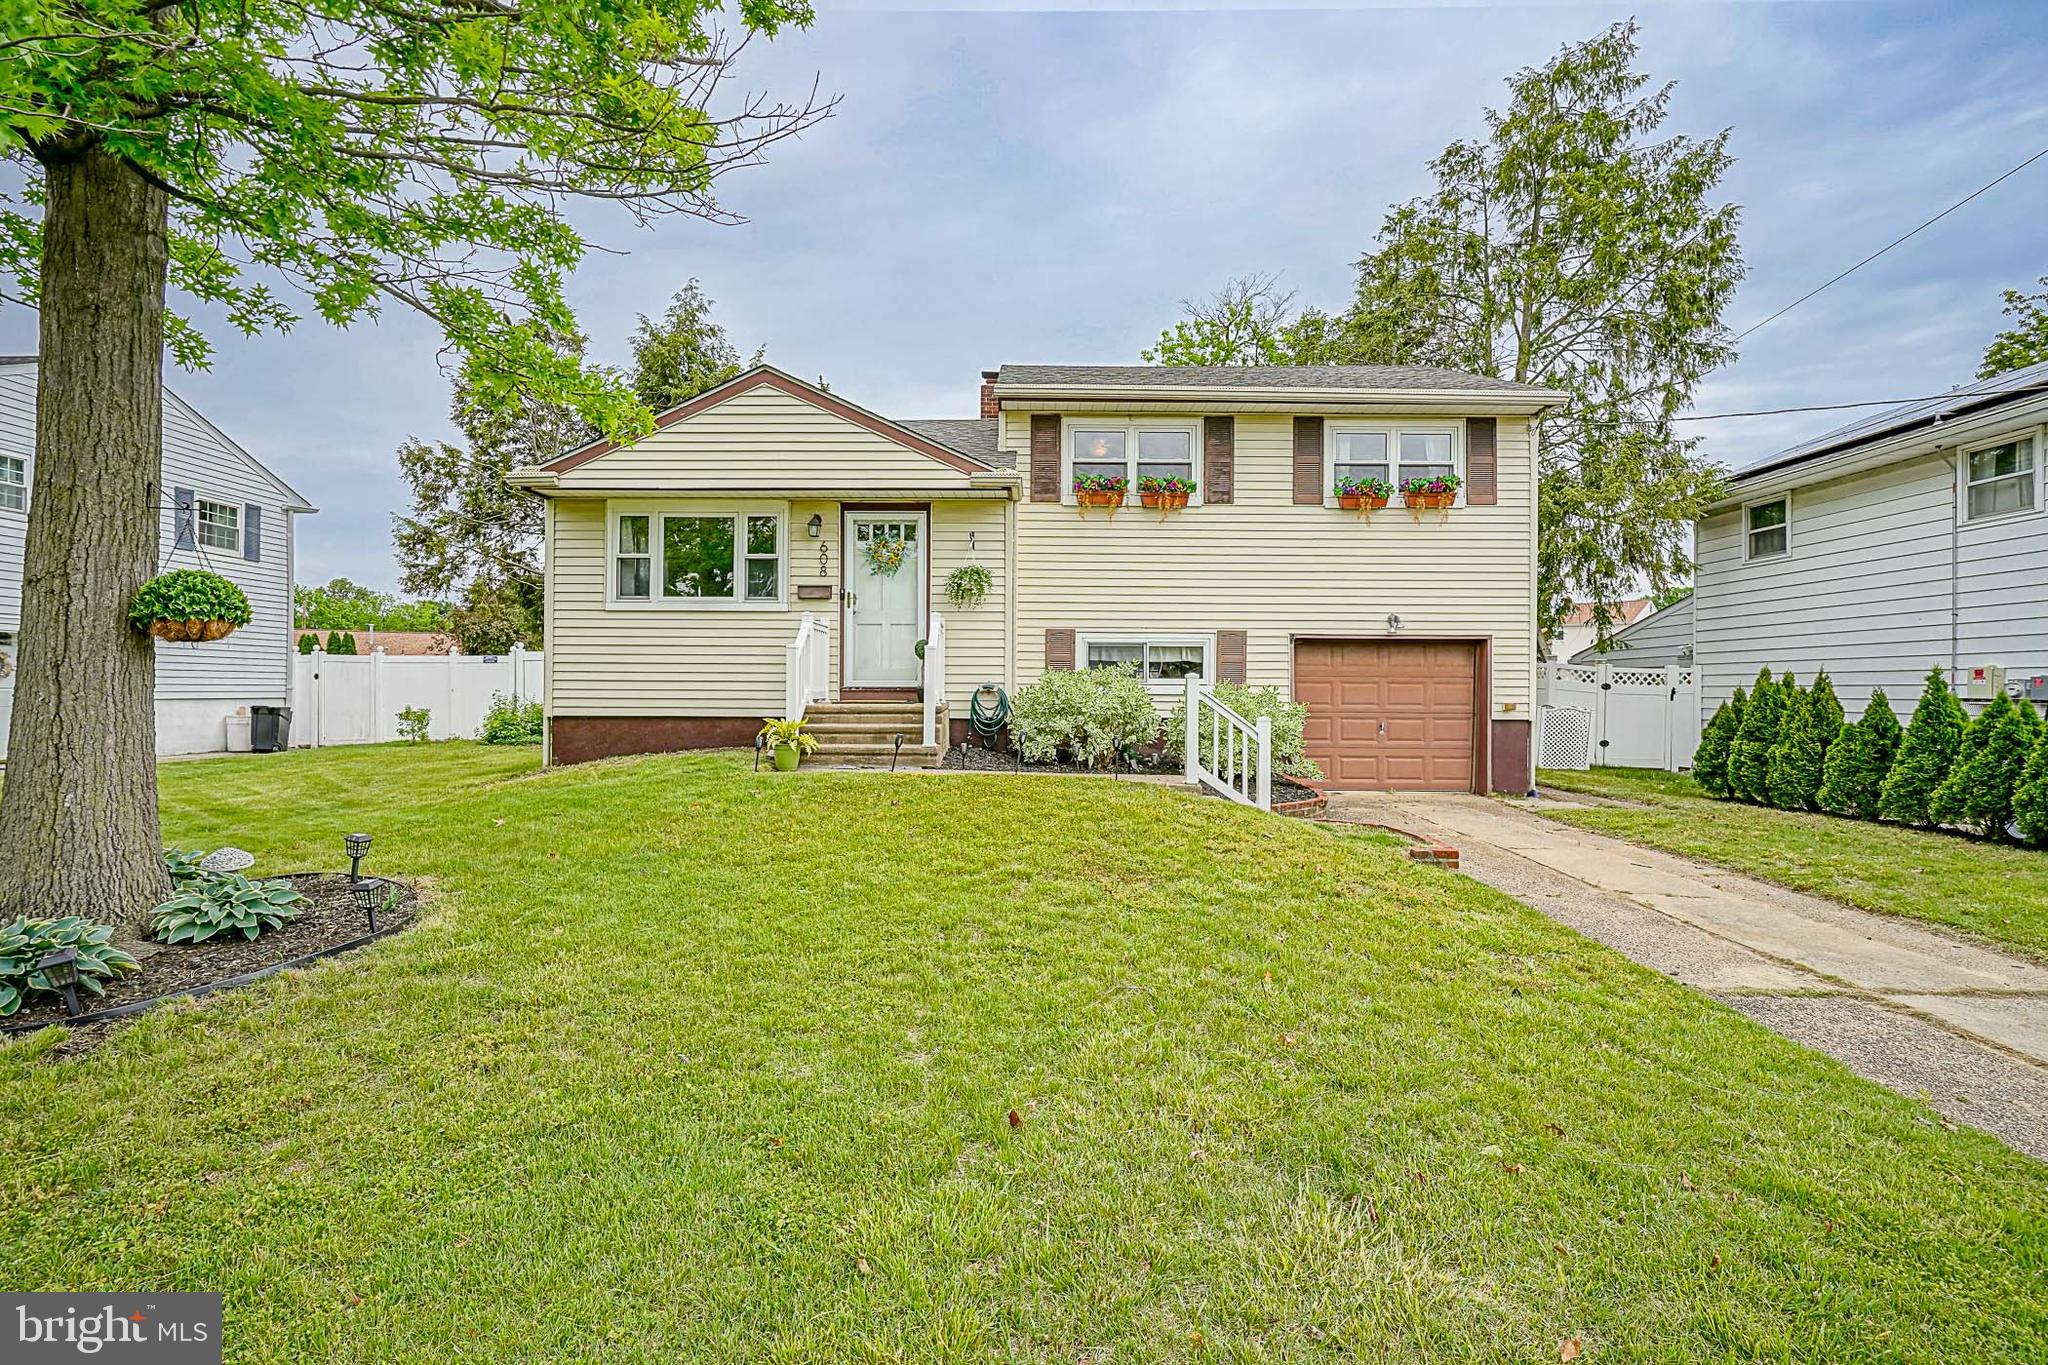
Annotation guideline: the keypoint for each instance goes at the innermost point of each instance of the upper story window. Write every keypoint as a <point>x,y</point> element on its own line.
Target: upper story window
<point>710,558</point>
<point>220,526</point>
<point>1391,452</point>
<point>1133,451</point>
<point>2001,479</point>
<point>13,483</point>
<point>1768,528</point>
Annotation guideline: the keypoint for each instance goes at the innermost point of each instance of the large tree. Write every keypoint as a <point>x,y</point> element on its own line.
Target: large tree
<point>472,536</point>
<point>1576,245</point>
<point>356,152</point>
<point>2026,341</point>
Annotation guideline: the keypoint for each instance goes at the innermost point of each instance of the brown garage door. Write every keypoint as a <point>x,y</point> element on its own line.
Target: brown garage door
<point>1390,715</point>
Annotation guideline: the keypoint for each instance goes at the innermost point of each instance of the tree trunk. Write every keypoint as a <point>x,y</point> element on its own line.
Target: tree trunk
<point>78,818</point>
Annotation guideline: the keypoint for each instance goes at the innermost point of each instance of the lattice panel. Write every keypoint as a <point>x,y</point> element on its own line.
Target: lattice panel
<point>1638,677</point>
<point>1567,738</point>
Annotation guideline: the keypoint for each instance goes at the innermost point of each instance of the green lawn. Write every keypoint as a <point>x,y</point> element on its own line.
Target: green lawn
<point>692,1064</point>
<point>1994,890</point>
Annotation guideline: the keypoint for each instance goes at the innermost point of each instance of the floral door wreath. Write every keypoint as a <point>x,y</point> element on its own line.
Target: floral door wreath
<point>885,553</point>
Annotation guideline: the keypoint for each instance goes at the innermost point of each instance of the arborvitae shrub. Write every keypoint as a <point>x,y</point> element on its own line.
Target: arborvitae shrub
<point>1796,762</point>
<point>1979,789</point>
<point>1926,753</point>
<point>1858,761</point>
<point>1710,758</point>
<point>1749,761</point>
<point>308,642</point>
<point>2030,797</point>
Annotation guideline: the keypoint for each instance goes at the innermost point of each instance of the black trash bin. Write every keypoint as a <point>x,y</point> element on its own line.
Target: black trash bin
<point>270,729</point>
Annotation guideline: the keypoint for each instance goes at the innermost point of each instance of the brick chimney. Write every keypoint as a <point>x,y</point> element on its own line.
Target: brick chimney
<point>989,406</point>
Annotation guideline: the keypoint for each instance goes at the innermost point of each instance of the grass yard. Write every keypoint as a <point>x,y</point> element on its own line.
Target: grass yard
<point>692,1064</point>
<point>1997,891</point>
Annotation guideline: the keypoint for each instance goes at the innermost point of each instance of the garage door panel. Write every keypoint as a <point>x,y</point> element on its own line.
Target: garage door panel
<point>1398,715</point>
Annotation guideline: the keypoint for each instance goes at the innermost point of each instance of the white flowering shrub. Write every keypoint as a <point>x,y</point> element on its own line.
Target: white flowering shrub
<point>1085,715</point>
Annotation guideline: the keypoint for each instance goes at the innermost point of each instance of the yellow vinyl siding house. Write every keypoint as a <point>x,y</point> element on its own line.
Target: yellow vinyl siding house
<point>688,571</point>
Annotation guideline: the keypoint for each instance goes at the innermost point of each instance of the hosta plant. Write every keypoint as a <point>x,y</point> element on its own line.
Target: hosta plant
<point>183,865</point>
<point>188,604</point>
<point>25,942</point>
<point>230,903</point>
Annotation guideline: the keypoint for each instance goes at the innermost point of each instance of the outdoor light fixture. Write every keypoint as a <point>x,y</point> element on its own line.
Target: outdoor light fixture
<point>60,969</point>
<point>1393,622</point>
<point>893,753</point>
<point>815,527</point>
<point>357,846</point>
<point>760,743</point>
<point>366,893</point>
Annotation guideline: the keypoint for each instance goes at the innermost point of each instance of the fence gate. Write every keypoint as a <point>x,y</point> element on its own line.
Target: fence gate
<point>356,698</point>
<point>1640,717</point>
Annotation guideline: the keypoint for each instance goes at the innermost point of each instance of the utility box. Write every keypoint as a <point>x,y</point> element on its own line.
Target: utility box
<point>2037,689</point>
<point>1983,682</point>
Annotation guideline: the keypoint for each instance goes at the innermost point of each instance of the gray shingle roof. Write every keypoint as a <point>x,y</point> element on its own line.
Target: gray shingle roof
<point>1420,377</point>
<point>974,437</point>
<point>1984,393</point>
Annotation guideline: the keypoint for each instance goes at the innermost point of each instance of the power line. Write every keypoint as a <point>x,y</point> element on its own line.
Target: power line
<point>1869,403</point>
<point>1889,245</point>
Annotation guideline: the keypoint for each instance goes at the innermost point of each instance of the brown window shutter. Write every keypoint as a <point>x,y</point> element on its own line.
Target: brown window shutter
<point>1482,461</point>
<point>1045,464</point>
<point>1219,459</point>
<point>1308,461</point>
<point>1059,651</point>
<point>1230,645</point>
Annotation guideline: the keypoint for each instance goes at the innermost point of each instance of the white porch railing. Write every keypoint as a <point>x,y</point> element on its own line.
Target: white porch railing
<point>807,675</point>
<point>934,678</point>
<point>1225,752</point>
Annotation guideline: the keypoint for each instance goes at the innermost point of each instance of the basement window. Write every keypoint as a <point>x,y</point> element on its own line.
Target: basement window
<point>1162,661</point>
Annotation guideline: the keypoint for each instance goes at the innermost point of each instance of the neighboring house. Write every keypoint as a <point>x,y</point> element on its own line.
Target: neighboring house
<point>1914,538</point>
<point>1577,631</point>
<point>681,567</point>
<point>392,642</point>
<point>223,511</point>
<point>1652,640</point>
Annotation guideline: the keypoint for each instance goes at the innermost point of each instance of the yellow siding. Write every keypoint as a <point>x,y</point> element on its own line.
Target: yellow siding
<point>635,661</point>
<point>1275,570</point>
<point>761,439</point>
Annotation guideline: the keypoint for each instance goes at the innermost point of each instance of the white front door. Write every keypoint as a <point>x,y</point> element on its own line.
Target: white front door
<point>884,605</point>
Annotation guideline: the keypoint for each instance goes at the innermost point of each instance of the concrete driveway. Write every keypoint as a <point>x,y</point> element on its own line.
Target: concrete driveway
<point>1951,1021</point>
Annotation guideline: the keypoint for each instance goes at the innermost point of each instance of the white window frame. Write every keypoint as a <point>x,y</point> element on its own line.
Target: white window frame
<point>1964,483</point>
<point>13,483</point>
<point>234,510</point>
<point>1749,536</point>
<point>1130,427</point>
<point>1166,689</point>
<point>656,513</point>
<point>1393,431</point>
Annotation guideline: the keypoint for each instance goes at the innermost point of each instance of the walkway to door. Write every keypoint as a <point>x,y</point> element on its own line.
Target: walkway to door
<point>1956,1023</point>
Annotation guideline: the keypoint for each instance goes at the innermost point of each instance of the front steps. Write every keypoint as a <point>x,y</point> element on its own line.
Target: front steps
<point>862,734</point>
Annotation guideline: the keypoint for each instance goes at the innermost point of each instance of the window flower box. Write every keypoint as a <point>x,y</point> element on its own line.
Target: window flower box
<point>1100,490</point>
<point>1434,494</point>
<point>1363,495</point>
<point>1168,494</point>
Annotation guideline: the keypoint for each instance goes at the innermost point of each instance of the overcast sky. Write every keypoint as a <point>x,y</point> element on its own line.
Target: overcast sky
<point>1040,183</point>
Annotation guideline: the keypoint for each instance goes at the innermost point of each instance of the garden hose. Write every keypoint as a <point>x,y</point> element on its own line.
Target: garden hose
<point>986,720</point>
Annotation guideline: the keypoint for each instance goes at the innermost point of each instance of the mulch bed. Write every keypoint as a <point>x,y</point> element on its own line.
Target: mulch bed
<point>974,758</point>
<point>327,917</point>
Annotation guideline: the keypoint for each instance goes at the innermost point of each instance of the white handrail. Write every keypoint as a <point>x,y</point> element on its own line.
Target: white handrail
<point>934,678</point>
<point>1238,759</point>
<point>806,669</point>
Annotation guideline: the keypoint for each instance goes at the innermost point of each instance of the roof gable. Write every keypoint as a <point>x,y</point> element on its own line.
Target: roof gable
<point>767,382</point>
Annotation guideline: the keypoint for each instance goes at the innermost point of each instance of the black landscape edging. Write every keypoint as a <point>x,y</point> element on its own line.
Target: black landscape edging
<point>135,1007</point>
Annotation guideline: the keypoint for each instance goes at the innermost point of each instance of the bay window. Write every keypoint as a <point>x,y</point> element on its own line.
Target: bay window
<point>698,557</point>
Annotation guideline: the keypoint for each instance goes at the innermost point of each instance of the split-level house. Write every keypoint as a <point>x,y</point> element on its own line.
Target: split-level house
<point>1913,538</point>
<point>772,547</point>
<point>221,510</point>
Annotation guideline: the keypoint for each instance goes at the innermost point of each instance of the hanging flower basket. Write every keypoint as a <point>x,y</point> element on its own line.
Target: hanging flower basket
<point>1168,494</point>
<point>189,606</point>
<point>1363,495</point>
<point>885,554</point>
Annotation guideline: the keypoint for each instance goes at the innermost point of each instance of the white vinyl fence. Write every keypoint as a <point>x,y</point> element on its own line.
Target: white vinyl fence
<point>1610,716</point>
<point>356,698</point>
